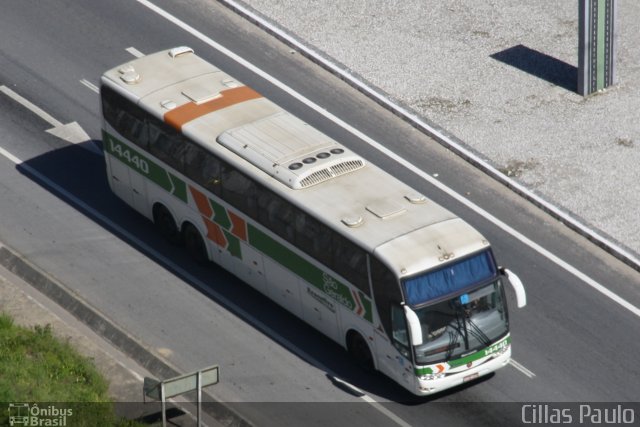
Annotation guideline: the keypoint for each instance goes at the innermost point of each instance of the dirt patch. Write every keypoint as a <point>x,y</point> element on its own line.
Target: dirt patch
<point>515,168</point>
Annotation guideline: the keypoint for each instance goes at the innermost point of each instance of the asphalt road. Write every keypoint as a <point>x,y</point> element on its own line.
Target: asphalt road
<point>575,343</point>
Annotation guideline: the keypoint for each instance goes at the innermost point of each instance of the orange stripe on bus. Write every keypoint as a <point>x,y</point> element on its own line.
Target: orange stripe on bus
<point>214,232</point>
<point>202,202</point>
<point>182,115</point>
<point>239,227</point>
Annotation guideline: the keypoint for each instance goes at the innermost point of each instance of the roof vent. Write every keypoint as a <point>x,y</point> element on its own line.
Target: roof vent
<point>290,150</point>
<point>128,74</point>
<point>416,198</point>
<point>168,104</point>
<point>352,221</point>
<point>199,94</point>
<point>230,83</point>
<point>179,51</point>
<point>384,209</point>
<point>330,172</point>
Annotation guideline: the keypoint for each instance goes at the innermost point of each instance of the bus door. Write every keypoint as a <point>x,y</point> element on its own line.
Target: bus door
<point>320,311</point>
<point>128,185</point>
<point>249,268</point>
<point>394,358</point>
<point>119,179</point>
<point>138,191</point>
<point>283,286</point>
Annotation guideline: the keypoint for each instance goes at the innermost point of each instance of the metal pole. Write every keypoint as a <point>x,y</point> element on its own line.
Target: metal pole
<point>199,386</point>
<point>164,414</point>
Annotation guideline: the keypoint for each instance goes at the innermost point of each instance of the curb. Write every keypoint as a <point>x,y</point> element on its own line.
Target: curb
<point>572,221</point>
<point>102,326</point>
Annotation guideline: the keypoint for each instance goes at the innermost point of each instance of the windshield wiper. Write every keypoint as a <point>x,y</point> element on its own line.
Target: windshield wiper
<point>478,333</point>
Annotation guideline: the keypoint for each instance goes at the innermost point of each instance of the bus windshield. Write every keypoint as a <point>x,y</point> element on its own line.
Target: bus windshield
<point>462,324</point>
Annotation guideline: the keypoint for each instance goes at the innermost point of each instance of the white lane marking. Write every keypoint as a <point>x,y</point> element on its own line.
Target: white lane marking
<point>90,85</point>
<point>508,229</point>
<point>31,106</point>
<point>385,411</point>
<point>10,156</point>
<point>521,368</point>
<point>131,371</point>
<point>135,52</point>
<point>71,132</point>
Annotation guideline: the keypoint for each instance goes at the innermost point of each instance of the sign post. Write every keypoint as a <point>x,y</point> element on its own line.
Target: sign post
<point>596,45</point>
<point>163,390</point>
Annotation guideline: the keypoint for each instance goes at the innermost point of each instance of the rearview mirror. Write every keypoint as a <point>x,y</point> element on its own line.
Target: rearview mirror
<point>516,283</point>
<point>415,329</point>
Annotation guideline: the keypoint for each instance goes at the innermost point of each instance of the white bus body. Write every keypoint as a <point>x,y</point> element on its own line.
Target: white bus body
<point>406,286</point>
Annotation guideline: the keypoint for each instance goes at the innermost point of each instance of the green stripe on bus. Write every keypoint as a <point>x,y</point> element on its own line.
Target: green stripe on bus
<point>233,244</point>
<point>309,272</point>
<point>220,215</point>
<point>179,187</point>
<point>455,363</point>
<point>144,166</point>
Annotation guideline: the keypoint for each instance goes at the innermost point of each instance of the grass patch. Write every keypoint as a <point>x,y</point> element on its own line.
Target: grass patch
<point>35,366</point>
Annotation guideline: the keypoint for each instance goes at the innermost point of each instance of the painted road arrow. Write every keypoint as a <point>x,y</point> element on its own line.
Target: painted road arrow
<point>70,132</point>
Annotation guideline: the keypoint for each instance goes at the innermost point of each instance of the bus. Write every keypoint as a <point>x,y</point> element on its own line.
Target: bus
<point>405,286</point>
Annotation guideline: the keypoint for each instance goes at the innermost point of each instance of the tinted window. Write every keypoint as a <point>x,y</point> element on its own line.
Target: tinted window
<point>277,215</point>
<point>124,116</point>
<point>203,167</point>
<point>385,290</point>
<point>167,144</point>
<point>240,191</point>
<point>399,330</point>
<point>351,262</point>
<point>313,237</point>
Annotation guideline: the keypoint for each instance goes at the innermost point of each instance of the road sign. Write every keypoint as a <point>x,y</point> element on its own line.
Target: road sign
<point>163,390</point>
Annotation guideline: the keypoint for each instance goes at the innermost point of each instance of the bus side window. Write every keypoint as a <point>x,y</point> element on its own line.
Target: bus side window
<point>124,117</point>
<point>399,331</point>
<point>386,292</point>
<point>276,214</point>
<point>280,214</point>
<point>167,145</point>
<point>313,237</point>
<point>239,191</point>
<point>350,261</point>
<point>133,128</point>
<point>202,167</point>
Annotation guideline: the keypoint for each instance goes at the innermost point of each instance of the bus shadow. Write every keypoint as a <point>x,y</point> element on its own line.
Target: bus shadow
<point>77,176</point>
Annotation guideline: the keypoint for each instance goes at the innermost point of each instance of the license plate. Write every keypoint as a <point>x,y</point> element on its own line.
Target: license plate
<point>471,377</point>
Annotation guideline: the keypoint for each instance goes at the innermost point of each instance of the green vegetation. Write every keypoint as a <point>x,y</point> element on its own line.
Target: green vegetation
<point>37,367</point>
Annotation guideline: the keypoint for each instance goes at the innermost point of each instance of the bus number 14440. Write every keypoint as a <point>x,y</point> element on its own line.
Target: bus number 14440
<point>125,154</point>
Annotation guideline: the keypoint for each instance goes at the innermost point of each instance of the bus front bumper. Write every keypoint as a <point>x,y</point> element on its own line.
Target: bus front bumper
<point>425,387</point>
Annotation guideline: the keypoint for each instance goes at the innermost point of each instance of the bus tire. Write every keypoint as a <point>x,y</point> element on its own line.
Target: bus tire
<point>194,243</point>
<point>165,224</point>
<point>359,351</point>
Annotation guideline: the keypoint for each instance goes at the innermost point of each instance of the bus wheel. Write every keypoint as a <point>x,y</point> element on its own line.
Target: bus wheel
<point>195,244</point>
<point>359,351</point>
<point>165,223</point>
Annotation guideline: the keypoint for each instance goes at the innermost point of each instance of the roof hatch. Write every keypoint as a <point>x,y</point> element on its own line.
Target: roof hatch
<point>290,150</point>
<point>384,209</point>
